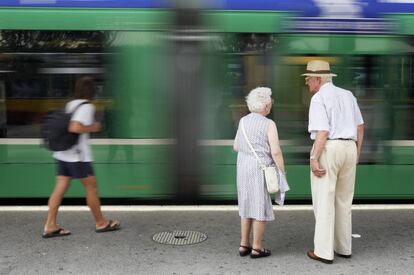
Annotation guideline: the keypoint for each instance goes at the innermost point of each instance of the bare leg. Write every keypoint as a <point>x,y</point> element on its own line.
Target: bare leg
<point>93,200</point>
<point>258,232</point>
<point>246,226</point>
<point>62,184</point>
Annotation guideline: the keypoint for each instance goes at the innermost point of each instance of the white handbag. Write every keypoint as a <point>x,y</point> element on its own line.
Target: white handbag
<point>272,174</point>
<point>272,177</point>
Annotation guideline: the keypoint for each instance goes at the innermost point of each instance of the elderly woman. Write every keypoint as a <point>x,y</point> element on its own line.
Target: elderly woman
<point>255,205</point>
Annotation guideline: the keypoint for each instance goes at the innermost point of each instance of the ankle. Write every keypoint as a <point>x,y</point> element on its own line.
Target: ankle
<point>50,226</point>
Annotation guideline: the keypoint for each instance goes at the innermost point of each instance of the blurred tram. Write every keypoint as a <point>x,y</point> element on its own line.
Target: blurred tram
<point>171,87</point>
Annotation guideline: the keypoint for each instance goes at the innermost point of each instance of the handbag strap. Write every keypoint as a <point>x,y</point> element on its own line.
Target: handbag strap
<point>251,147</point>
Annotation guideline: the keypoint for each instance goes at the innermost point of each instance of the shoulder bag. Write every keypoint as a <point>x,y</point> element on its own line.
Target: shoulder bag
<point>272,174</point>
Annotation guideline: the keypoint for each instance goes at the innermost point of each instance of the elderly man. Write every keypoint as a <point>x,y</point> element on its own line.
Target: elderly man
<point>337,128</point>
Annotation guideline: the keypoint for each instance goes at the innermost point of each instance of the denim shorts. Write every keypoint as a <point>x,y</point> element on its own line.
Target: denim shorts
<point>75,170</point>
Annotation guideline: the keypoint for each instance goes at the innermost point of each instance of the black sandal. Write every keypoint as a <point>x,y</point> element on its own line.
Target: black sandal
<point>56,233</point>
<point>262,253</point>
<point>111,226</point>
<point>246,251</point>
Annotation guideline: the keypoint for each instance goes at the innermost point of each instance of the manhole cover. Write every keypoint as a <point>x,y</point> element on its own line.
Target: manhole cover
<point>179,237</point>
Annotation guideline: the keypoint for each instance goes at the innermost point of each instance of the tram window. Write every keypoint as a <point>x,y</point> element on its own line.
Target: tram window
<point>383,84</point>
<point>245,61</point>
<point>399,87</point>
<point>38,70</point>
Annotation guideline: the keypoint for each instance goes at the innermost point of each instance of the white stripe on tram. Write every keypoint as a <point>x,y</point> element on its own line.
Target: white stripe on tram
<point>38,141</point>
<point>204,142</point>
<point>172,141</point>
<point>401,143</point>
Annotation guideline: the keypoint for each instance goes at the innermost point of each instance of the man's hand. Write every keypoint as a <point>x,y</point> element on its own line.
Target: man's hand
<point>316,170</point>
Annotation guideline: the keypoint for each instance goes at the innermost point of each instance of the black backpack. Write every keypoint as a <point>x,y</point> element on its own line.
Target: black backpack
<point>54,131</point>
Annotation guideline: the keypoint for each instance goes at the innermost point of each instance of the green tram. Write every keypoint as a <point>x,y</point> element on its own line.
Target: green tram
<point>171,91</point>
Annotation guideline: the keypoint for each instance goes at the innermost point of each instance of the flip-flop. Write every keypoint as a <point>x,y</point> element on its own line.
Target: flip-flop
<point>109,227</point>
<point>56,233</point>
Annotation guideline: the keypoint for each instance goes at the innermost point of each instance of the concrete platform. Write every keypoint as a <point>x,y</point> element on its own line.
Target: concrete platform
<point>386,245</point>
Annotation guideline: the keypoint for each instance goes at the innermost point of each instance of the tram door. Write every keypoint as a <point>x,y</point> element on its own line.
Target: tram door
<point>3,119</point>
<point>236,63</point>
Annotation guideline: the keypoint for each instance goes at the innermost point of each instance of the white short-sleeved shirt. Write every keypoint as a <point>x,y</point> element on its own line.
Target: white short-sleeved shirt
<point>335,110</point>
<point>82,150</point>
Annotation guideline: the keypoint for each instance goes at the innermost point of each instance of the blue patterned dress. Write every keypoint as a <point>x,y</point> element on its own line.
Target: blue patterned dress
<point>253,199</point>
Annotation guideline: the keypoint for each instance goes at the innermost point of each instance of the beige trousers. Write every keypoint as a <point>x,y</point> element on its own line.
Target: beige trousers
<point>332,197</point>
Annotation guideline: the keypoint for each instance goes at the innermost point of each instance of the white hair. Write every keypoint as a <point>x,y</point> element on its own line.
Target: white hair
<point>258,98</point>
<point>326,78</point>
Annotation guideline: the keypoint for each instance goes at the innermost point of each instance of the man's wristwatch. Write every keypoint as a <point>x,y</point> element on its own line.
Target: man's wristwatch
<point>312,157</point>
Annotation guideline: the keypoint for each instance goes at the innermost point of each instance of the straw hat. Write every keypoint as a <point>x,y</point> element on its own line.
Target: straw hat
<point>318,68</point>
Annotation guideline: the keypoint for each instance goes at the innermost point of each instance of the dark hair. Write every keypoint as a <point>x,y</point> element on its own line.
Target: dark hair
<point>85,88</point>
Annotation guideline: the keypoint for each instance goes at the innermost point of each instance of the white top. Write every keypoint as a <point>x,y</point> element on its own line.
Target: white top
<point>335,110</point>
<point>82,150</point>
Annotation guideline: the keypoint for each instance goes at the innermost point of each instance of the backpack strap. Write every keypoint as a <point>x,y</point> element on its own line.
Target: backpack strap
<point>77,107</point>
<point>72,114</point>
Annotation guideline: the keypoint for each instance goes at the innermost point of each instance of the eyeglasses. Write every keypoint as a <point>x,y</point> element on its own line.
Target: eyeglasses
<point>309,78</point>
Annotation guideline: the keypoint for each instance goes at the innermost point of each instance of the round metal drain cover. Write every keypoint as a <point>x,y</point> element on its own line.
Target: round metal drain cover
<point>179,237</point>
